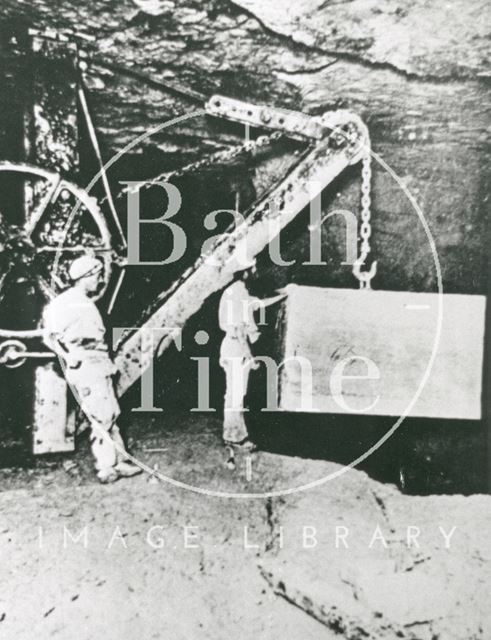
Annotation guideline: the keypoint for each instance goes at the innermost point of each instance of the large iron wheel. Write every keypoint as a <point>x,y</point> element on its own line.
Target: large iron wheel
<point>62,221</point>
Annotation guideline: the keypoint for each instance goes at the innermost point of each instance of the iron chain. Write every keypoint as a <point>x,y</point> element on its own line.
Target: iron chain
<point>227,155</point>
<point>366,228</point>
<point>365,277</point>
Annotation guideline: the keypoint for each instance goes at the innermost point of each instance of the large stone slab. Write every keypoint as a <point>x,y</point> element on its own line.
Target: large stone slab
<point>382,353</point>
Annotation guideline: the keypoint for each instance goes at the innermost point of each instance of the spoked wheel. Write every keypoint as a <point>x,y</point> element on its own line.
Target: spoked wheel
<point>62,223</point>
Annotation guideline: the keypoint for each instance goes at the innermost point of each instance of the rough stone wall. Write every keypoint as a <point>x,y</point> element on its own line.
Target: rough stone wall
<point>421,88</point>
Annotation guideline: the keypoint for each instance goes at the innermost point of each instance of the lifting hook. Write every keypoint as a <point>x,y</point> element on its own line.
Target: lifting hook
<point>364,277</point>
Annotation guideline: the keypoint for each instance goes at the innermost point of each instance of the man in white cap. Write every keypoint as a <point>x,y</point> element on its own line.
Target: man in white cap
<point>74,330</point>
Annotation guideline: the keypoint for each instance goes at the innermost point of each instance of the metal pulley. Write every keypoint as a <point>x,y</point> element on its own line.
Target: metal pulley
<point>38,251</point>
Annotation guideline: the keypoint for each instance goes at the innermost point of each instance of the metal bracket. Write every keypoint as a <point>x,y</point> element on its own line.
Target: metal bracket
<point>293,123</point>
<point>14,353</point>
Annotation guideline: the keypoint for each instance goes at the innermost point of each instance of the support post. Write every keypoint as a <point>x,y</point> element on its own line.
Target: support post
<point>51,135</point>
<point>53,423</point>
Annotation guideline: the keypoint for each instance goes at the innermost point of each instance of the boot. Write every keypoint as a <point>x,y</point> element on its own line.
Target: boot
<point>107,476</point>
<point>126,469</point>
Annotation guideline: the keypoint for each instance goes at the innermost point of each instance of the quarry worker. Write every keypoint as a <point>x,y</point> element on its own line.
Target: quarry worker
<point>236,319</point>
<point>74,330</point>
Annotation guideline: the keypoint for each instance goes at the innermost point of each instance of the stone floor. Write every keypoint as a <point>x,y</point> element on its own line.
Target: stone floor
<point>156,560</point>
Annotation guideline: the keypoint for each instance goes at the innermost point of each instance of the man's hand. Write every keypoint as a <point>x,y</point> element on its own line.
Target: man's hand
<point>255,364</point>
<point>269,301</point>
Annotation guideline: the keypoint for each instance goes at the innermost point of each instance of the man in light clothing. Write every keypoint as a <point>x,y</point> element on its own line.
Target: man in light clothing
<point>236,319</point>
<point>74,330</point>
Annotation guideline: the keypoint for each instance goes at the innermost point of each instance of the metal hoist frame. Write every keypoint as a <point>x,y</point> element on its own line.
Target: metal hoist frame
<point>50,131</point>
<point>334,140</point>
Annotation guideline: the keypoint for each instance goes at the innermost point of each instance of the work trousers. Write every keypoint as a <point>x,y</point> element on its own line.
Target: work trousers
<point>94,391</point>
<point>237,371</point>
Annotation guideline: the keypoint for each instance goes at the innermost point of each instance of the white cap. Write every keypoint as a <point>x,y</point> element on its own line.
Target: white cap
<point>84,266</point>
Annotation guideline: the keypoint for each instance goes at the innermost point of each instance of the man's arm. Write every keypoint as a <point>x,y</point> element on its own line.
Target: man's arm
<point>52,340</point>
<point>266,302</point>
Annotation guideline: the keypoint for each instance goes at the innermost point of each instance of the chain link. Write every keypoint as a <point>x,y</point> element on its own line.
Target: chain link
<point>227,155</point>
<point>366,228</point>
<point>365,277</point>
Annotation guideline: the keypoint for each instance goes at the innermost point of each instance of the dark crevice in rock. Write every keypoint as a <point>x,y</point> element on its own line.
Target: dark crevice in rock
<point>274,509</point>
<point>313,70</point>
<point>231,27</point>
<point>381,504</point>
<point>271,524</point>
